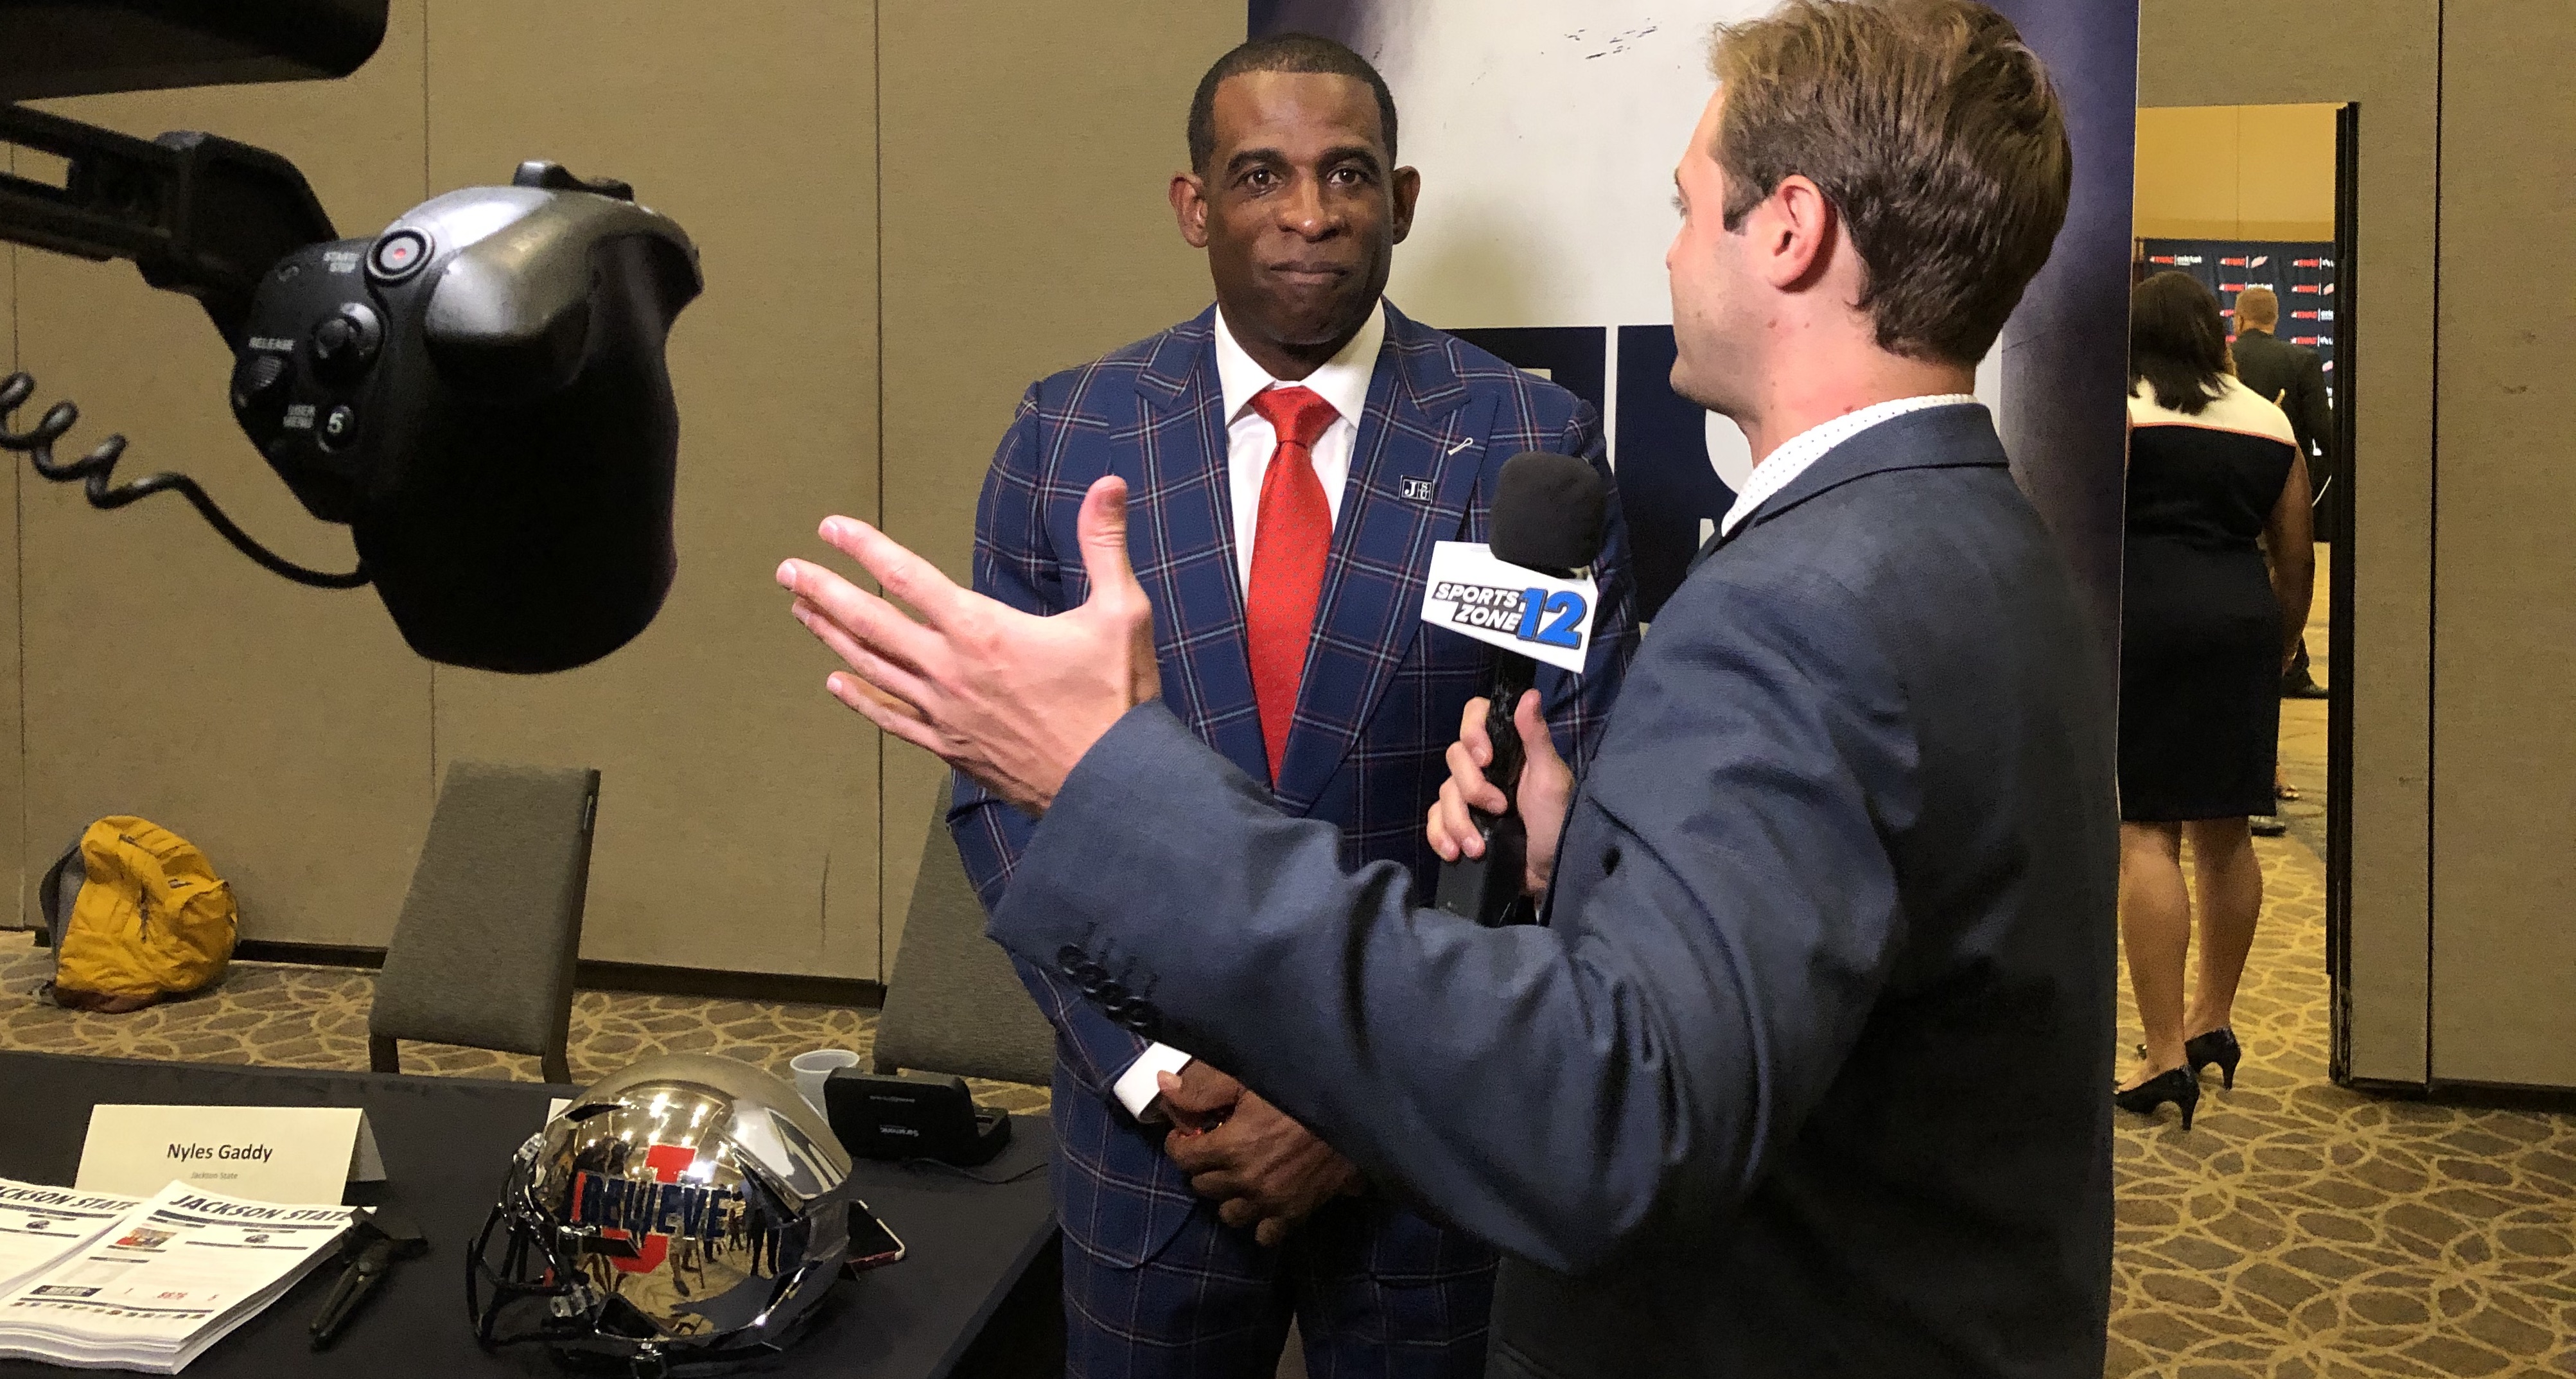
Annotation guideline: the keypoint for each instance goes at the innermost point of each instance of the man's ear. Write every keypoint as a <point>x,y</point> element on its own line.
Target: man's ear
<point>1793,233</point>
<point>1406,188</point>
<point>1190,208</point>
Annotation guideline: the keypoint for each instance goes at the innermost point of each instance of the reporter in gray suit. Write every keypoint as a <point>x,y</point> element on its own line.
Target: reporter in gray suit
<point>1806,1073</point>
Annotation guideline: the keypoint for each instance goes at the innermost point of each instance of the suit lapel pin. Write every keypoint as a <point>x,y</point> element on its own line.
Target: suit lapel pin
<point>1417,490</point>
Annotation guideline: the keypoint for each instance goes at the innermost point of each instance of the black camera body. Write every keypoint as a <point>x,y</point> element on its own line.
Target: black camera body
<point>480,393</point>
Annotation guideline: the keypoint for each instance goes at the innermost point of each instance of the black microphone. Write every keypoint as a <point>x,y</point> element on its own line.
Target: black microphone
<point>1547,516</point>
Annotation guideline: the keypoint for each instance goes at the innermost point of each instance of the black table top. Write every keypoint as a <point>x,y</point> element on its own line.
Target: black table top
<point>446,1144</point>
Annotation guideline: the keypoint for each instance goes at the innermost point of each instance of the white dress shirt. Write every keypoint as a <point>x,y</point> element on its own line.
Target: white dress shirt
<point>1342,381</point>
<point>1782,466</point>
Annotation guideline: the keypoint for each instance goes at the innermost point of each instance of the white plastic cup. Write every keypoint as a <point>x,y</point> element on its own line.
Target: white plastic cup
<point>815,1067</point>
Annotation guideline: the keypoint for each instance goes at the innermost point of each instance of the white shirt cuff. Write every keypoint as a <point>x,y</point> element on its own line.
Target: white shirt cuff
<point>1136,1088</point>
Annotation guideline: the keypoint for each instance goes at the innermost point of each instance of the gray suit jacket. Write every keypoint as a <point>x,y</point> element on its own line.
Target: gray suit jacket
<point>1809,1073</point>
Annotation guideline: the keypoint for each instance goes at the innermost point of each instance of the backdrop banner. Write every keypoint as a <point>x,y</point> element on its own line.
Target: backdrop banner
<point>2300,272</point>
<point>1546,132</point>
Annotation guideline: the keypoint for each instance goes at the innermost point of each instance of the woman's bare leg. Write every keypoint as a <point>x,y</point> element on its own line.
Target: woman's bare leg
<point>2155,927</point>
<point>2230,881</point>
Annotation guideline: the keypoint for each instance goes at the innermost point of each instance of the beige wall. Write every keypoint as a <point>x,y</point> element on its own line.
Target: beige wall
<point>738,812</point>
<point>2504,630</point>
<point>291,733</point>
<point>2236,172</point>
<point>2463,966</point>
<point>284,729</point>
<point>1026,230</point>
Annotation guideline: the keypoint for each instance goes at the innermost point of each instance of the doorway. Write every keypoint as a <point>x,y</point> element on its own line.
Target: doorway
<point>2263,197</point>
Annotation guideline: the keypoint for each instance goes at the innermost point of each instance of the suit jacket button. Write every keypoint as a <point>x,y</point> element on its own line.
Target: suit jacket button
<point>1108,993</point>
<point>1609,861</point>
<point>1070,961</point>
<point>1144,1019</point>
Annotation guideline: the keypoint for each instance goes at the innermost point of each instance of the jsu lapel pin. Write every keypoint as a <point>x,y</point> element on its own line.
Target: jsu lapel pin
<point>1417,490</point>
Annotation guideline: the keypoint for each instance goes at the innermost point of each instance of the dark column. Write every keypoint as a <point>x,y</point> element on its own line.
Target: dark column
<point>2065,353</point>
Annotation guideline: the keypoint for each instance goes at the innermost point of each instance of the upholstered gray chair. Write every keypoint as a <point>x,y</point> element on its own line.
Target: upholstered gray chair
<point>955,1004</point>
<point>484,949</point>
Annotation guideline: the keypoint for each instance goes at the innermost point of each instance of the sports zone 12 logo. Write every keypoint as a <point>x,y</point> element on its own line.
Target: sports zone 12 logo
<point>1542,616</point>
<point>1549,618</point>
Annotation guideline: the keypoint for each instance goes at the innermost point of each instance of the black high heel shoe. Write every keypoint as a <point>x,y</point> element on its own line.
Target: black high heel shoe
<point>2219,1046</point>
<point>2181,1086</point>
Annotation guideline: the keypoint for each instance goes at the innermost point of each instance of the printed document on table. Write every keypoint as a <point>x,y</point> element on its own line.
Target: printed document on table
<point>40,1225</point>
<point>166,1280</point>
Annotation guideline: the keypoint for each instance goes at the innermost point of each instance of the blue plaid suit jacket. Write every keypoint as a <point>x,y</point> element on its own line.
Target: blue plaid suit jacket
<point>1381,696</point>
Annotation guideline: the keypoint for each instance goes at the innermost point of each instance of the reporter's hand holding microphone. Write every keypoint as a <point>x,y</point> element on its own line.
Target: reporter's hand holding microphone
<point>1546,791</point>
<point>1499,815</point>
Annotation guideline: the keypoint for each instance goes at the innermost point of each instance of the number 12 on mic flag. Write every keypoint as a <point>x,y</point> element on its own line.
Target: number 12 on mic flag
<point>1541,616</point>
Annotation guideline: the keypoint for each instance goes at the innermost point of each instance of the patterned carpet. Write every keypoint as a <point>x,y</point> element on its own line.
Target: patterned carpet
<point>2299,1231</point>
<point>316,1017</point>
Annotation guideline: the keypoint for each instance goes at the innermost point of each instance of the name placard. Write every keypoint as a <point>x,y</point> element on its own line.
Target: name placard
<point>297,1154</point>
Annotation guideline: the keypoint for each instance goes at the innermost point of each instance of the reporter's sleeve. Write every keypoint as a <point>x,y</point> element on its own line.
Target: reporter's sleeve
<point>1015,562</point>
<point>1559,1092</point>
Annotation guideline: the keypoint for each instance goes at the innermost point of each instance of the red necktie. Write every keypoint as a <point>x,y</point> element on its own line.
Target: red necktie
<point>1288,549</point>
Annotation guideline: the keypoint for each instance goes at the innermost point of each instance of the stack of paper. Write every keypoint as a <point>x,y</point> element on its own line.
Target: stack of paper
<point>39,1225</point>
<point>161,1280</point>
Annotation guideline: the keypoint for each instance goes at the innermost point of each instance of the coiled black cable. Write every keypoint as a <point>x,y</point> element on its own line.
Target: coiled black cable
<point>97,469</point>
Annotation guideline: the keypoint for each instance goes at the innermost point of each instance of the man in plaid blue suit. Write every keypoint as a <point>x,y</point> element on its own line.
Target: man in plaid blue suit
<point>1198,1218</point>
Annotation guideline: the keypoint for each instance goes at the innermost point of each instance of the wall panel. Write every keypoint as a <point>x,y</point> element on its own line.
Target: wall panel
<point>284,729</point>
<point>2382,54</point>
<point>737,821</point>
<point>2504,800</point>
<point>2285,171</point>
<point>2236,172</point>
<point>2187,173</point>
<point>1026,230</point>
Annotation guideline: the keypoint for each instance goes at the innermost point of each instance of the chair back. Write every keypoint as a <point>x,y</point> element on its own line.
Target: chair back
<point>956,1004</point>
<point>484,951</point>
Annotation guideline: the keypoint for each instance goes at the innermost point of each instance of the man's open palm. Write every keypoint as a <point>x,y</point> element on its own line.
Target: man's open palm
<point>1009,698</point>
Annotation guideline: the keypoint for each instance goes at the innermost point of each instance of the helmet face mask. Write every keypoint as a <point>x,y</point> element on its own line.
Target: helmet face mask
<point>683,1215</point>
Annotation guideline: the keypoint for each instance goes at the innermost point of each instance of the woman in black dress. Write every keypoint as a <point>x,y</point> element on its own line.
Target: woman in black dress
<point>2206,625</point>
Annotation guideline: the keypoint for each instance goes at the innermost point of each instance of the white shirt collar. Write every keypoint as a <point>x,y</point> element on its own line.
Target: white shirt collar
<point>1342,380</point>
<point>1798,453</point>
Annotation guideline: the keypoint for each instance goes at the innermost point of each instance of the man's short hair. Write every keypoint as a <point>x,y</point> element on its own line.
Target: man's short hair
<point>1303,53</point>
<point>1936,134</point>
<point>2257,307</point>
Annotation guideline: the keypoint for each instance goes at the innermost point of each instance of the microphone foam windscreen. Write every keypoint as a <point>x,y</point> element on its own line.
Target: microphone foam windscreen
<point>1548,511</point>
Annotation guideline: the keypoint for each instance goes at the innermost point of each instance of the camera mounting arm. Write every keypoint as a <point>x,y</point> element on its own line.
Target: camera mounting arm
<point>198,214</point>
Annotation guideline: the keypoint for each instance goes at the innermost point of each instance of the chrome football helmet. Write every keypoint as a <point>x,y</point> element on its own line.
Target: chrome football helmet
<point>681,1216</point>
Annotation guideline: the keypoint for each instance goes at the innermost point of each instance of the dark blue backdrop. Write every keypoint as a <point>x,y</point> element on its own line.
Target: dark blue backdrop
<point>1667,489</point>
<point>2300,272</point>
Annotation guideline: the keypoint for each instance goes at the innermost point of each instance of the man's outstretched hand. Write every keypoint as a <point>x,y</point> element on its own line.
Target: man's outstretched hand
<point>1011,699</point>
